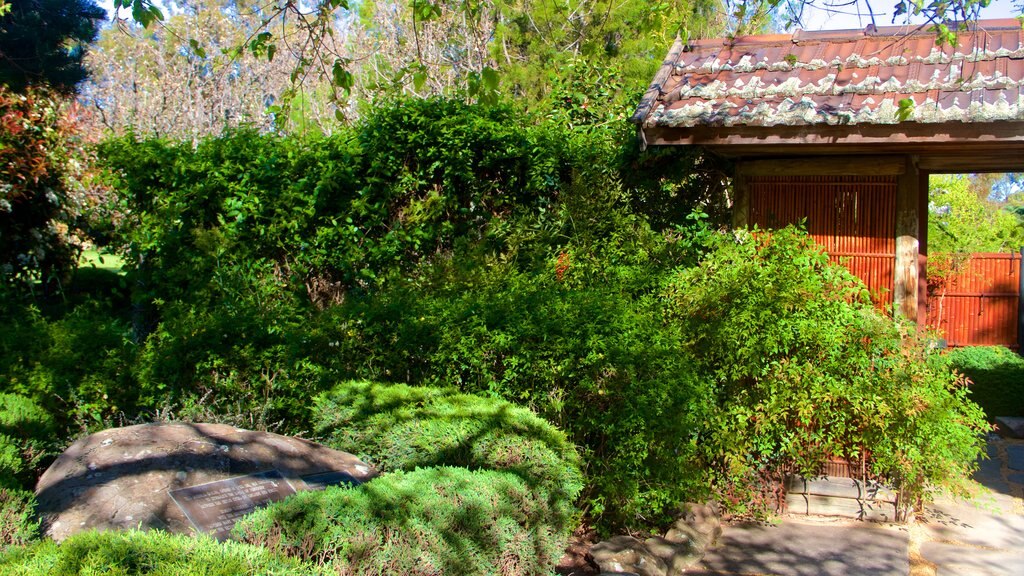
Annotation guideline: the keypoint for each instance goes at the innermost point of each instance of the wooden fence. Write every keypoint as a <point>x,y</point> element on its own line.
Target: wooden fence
<point>978,303</point>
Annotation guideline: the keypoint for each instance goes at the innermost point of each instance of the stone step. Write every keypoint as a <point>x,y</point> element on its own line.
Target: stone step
<point>859,509</point>
<point>841,488</point>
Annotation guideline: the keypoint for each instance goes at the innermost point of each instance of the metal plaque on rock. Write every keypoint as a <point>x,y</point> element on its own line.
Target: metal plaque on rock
<point>216,506</point>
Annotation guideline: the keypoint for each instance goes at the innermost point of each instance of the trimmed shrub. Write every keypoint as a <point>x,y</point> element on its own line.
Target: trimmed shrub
<point>805,369</point>
<point>139,553</point>
<point>430,521</point>
<point>997,378</point>
<point>399,427</point>
<point>472,486</point>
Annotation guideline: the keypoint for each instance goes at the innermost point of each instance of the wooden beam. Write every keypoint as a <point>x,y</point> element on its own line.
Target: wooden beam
<point>953,136</point>
<point>827,166</point>
<point>1011,160</point>
<point>907,272</point>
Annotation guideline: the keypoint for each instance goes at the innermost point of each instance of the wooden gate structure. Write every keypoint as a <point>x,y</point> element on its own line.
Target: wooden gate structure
<point>842,128</point>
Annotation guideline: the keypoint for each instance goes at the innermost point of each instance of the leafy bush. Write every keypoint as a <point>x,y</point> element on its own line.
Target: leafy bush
<point>429,521</point>
<point>139,553</point>
<point>25,429</point>
<point>997,378</point>
<point>76,367</point>
<point>805,369</point>
<point>962,220</point>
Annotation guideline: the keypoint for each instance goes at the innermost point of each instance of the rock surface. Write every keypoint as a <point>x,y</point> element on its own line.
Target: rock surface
<point>1010,426</point>
<point>120,478</point>
<point>682,546</point>
<point>625,554</point>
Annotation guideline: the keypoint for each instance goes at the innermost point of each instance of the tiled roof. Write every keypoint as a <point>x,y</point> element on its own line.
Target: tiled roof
<point>841,77</point>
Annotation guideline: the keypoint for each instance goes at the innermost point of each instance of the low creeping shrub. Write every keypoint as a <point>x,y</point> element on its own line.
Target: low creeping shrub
<point>18,524</point>
<point>25,432</point>
<point>472,485</point>
<point>399,427</point>
<point>140,553</point>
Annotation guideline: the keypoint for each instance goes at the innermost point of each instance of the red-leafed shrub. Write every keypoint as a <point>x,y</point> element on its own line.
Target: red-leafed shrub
<point>40,198</point>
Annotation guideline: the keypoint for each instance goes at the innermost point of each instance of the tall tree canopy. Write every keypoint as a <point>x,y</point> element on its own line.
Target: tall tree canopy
<point>43,41</point>
<point>185,78</point>
<point>963,217</point>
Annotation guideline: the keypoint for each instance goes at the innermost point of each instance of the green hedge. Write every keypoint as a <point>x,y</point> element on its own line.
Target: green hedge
<point>141,553</point>
<point>997,378</point>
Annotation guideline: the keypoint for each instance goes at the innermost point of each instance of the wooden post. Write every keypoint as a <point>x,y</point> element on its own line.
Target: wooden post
<point>906,274</point>
<point>922,268</point>
<point>740,199</point>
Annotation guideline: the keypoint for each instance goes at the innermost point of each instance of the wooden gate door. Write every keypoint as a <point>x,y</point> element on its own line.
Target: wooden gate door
<point>852,217</point>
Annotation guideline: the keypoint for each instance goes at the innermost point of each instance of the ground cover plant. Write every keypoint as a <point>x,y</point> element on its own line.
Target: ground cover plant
<point>143,553</point>
<point>428,521</point>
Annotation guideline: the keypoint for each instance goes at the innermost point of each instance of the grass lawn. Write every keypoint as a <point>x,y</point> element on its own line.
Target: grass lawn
<point>98,260</point>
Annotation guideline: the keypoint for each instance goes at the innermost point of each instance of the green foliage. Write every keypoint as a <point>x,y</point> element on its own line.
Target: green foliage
<point>141,553</point>
<point>428,521</point>
<point>233,246</point>
<point>997,378</point>
<point>42,42</point>
<point>534,40</point>
<point>962,220</point>
<point>805,369</point>
<point>76,366</point>
<point>529,258</point>
<point>25,431</point>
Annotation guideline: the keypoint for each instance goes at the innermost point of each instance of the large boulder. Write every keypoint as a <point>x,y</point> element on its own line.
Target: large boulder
<point>122,478</point>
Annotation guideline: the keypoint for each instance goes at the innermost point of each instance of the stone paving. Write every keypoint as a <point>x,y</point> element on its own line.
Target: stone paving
<point>980,537</point>
<point>983,536</point>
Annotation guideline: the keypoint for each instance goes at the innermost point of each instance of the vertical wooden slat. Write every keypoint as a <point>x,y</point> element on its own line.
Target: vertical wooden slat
<point>979,305</point>
<point>851,217</point>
